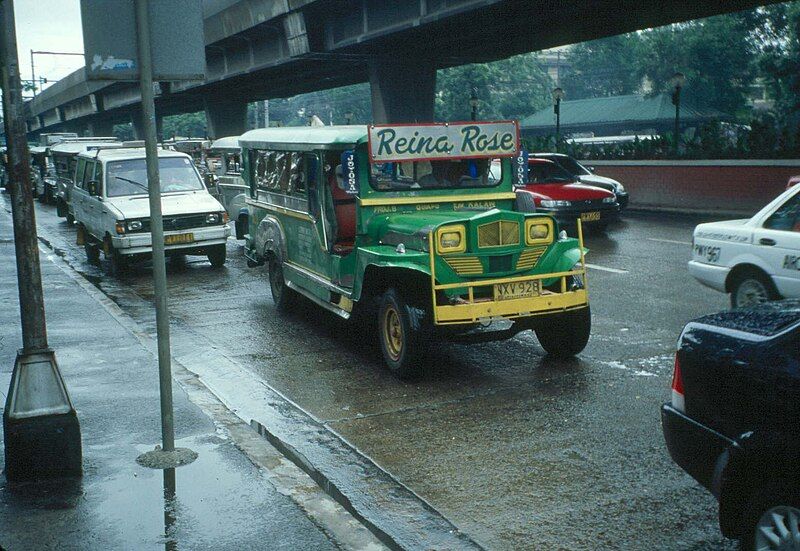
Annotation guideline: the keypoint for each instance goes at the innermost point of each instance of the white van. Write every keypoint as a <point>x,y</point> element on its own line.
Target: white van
<point>112,208</point>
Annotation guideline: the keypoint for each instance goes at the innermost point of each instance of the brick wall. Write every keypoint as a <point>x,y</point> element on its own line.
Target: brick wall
<point>731,187</point>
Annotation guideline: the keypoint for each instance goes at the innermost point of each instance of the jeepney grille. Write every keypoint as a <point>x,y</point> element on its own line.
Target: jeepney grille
<point>529,258</point>
<point>465,265</point>
<point>498,234</point>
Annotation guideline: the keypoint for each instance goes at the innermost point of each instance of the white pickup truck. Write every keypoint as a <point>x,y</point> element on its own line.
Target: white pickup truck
<point>756,259</point>
<point>112,209</point>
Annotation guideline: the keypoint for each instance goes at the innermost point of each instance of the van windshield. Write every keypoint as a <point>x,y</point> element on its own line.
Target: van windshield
<point>446,174</point>
<point>130,177</point>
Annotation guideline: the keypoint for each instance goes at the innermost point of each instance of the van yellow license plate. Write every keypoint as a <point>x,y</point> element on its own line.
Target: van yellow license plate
<point>178,239</point>
<point>590,216</point>
<point>517,289</point>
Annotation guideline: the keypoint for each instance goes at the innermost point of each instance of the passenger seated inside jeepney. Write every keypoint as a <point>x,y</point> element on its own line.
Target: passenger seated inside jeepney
<point>443,174</point>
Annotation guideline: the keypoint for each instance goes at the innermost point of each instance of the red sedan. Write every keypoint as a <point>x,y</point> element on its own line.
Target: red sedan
<point>556,192</point>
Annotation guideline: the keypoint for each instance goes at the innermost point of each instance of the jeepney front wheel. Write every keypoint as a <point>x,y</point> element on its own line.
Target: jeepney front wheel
<point>399,330</point>
<point>567,334</point>
<point>283,297</point>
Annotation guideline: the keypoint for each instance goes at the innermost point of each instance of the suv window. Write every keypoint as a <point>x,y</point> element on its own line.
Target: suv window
<point>79,173</point>
<point>787,217</point>
<point>88,174</point>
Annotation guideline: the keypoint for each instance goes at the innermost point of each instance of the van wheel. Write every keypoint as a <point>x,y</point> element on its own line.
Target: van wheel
<point>752,288</point>
<point>399,331</point>
<point>61,208</point>
<point>70,219</point>
<point>566,335</point>
<point>118,263</point>
<point>217,256</point>
<point>283,297</point>
<point>92,253</point>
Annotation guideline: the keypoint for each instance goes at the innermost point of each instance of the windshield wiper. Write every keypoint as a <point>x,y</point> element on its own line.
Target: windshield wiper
<point>134,182</point>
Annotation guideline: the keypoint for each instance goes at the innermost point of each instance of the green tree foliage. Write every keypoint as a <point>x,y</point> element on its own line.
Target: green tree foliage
<point>508,89</point>
<point>605,67</point>
<point>191,125</point>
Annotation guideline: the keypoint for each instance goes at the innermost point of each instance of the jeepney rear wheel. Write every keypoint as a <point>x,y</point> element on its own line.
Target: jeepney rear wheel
<point>400,336</point>
<point>283,297</point>
<point>217,255</point>
<point>567,334</point>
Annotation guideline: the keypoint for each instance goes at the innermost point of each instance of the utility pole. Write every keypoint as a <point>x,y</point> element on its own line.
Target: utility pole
<point>41,429</point>
<point>156,224</point>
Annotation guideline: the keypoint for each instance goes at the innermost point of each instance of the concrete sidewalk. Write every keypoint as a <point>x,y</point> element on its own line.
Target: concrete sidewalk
<point>239,494</point>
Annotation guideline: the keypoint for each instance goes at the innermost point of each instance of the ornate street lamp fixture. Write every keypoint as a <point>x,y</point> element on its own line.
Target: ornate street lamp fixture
<point>558,95</point>
<point>677,82</point>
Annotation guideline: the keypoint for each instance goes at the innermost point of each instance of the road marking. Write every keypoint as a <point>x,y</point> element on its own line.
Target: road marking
<point>604,269</point>
<point>669,241</point>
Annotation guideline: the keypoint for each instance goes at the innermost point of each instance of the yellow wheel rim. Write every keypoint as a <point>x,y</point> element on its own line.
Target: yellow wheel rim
<point>393,333</point>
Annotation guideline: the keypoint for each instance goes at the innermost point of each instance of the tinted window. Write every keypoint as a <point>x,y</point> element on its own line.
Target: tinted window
<point>787,217</point>
<point>543,172</point>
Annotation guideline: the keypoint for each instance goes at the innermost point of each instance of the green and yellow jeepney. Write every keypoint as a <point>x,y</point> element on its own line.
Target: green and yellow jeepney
<point>408,225</point>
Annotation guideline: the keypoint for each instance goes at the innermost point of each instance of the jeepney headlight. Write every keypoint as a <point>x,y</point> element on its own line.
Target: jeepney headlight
<point>212,218</point>
<point>134,225</point>
<point>538,231</point>
<point>451,239</point>
<point>610,200</point>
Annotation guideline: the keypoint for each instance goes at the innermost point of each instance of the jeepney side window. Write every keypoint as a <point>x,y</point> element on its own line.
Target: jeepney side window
<point>79,173</point>
<point>264,168</point>
<point>303,169</point>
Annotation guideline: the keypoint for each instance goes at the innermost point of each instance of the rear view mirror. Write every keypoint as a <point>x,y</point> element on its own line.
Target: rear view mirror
<point>93,187</point>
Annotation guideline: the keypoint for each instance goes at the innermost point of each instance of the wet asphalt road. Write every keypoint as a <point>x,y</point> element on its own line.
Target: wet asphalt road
<point>519,451</point>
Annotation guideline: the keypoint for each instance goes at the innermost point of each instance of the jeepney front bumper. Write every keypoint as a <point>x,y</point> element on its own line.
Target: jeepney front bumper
<point>467,311</point>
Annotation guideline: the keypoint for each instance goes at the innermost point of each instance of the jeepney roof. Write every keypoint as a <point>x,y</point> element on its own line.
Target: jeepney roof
<point>37,149</point>
<point>124,153</point>
<point>73,148</point>
<point>228,142</point>
<point>305,137</point>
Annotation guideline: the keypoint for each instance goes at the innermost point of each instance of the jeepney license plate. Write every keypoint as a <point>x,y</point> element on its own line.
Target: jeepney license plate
<point>517,289</point>
<point>590,216</point>
<point>178,239</point>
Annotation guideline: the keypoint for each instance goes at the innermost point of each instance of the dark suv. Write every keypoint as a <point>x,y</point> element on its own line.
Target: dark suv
<point>734,419</point>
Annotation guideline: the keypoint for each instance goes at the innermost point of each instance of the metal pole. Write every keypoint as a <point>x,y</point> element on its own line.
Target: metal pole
<point>677,117</point>
<point>33,75</point>
<point>29,277</point>
<point>156,224</point>
<point>558,119</point>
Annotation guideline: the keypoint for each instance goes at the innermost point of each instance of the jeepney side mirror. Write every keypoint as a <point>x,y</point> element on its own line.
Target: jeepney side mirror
<point>590,169</point>
<point>93,187</point>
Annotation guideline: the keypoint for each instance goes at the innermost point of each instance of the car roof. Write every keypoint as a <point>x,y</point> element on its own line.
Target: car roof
<point>123,153</point>
<point>305,137</point>
<point>539,160</point>
<point>548,154</point>
<point>228,142</point>
<point>73,147</point>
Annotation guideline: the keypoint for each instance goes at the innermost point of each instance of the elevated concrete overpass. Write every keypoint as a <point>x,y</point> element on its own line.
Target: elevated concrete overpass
<point>259,49</point>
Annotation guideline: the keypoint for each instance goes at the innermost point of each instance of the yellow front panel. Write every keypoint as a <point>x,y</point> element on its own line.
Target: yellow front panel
<point>544,304</point>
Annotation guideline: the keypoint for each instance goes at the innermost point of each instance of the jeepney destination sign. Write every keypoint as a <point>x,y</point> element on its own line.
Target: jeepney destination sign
<point>388,143</point>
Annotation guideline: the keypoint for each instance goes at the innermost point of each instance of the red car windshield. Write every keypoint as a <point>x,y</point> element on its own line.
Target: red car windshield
<point>547,172</point>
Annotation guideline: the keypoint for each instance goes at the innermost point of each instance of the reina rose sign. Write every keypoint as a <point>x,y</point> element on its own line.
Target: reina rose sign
<point>389,143</point>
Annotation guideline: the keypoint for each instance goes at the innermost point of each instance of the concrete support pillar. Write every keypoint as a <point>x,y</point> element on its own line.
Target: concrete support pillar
<point>402,91</point>
<point>100,127</point>
<point>226,118</point>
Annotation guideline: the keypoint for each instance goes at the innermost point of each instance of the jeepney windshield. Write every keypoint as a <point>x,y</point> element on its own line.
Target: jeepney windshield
<point>443,174</point>
<point>129,177</point>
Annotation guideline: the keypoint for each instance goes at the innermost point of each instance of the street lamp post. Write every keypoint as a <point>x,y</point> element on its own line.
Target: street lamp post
<point>473,103</point>
<point>558,95</point>
<point>677,82</point>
